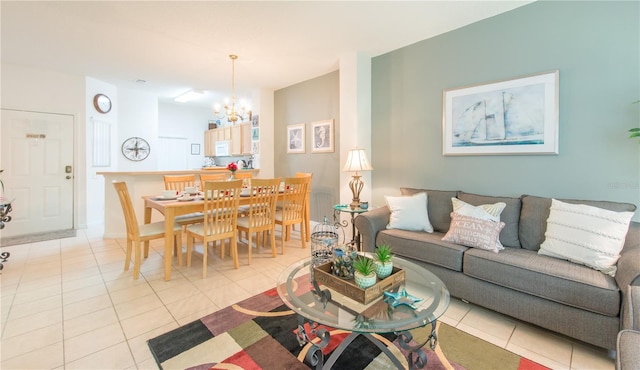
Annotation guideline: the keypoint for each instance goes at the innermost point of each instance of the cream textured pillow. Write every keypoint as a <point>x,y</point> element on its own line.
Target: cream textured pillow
<point>474,232</point>
<point>409,213</point>
<point>485,211</point>
<point>586,235</point>
<point>489,212</point>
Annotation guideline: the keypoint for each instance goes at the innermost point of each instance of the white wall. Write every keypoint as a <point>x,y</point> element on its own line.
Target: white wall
<point>138,116</point>
<point>95,183</point>
<point>178,121</point>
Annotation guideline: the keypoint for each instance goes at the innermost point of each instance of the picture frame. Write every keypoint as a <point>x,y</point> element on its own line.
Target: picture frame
<point>195,149</point>
<point>296,138</point>
<point>322,136</point>
<point>510,117</point>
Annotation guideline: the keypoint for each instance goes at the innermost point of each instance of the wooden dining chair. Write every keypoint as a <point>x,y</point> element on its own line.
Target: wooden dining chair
<point>307,203</point>
<point>212,177</point>
<point>292,207</point>
<point>260,218</point>
<point>179,182</point>
<point>221,199</point>
<point>244,175</point>
<point>141,233</point>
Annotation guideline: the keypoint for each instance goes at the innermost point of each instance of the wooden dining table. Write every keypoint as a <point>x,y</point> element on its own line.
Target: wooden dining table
<point>174,207</point>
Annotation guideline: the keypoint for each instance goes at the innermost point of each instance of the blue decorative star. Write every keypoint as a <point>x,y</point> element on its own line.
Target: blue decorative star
<point>401,298</point>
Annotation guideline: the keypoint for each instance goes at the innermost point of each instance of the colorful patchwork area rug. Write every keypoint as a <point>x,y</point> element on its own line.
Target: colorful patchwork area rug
<point>260,333</point>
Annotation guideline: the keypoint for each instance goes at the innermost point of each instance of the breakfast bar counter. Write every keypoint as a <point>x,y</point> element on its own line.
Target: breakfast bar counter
<point>139,183</point>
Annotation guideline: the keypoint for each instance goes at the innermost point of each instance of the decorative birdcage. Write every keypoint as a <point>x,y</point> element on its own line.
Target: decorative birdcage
<point>323,239</point>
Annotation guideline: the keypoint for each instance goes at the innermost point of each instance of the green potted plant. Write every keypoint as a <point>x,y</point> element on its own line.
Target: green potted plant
<point>383,262</point>
<point>364,272</point>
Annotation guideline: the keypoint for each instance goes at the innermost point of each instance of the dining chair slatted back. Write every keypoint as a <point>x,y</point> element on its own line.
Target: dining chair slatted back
<point>212,177</point>
<point>293,207</point>
<point>307,203</point>
<point>244,175</point>
<point>140,233</point>
<point>221,199</point>
<point>261,213</point>
<point>179,182</point>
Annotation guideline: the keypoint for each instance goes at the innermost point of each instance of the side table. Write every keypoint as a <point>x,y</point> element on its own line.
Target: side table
<point>337,209</point>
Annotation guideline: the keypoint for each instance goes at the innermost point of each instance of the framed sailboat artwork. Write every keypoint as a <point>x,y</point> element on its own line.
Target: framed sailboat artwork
<point>510,117</point>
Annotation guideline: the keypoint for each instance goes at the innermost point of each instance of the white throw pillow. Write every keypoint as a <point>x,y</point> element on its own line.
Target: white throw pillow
<point>586,235</point>
<point>484,211</point>
<point>409,213</point>
<point>490,212</point>
<point>474,232</point>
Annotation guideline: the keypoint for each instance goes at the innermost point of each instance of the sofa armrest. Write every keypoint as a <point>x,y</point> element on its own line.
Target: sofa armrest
<point>628,272</point>
<point>369,224</point>
<point>630,315</point>
<point>627,354</point>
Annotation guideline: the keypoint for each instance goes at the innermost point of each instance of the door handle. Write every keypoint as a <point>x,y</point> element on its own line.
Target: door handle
<point>68,177</point>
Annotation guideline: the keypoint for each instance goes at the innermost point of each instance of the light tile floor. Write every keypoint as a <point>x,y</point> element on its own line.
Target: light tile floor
<point>68,304</point>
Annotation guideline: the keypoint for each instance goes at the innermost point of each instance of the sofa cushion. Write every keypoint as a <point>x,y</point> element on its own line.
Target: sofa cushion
<point>535,212</point>
<point>546,277</point>
<point>510,215</point>
<point>439,206</point>
<point>424,247</point>
<point>474,232</point>
<point>409,212</point>
<point>585,234</point>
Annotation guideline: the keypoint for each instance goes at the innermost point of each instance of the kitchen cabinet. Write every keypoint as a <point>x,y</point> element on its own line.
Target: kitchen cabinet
<point>241,139</point>
<point>238,136</point>
<point>210,137</point>
<point>223,133</point>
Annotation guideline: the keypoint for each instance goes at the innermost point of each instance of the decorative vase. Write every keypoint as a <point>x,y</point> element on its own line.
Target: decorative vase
<point>343,258</point>
<point>365,281</point>
<point>383,269</point>
<point>233,176</point>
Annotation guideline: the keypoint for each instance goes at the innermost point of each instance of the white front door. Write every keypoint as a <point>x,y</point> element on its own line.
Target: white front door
<point>37,158</point>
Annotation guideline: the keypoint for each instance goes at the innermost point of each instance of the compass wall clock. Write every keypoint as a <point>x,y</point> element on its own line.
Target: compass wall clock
<point>135,149</point>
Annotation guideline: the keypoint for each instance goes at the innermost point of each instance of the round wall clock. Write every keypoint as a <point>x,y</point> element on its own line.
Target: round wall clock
<point>102,103</point>
<point>135,149</point>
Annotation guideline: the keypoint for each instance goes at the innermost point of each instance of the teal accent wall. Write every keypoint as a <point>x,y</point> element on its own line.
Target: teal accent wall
<point>596,48</point>
<point>313,100</point>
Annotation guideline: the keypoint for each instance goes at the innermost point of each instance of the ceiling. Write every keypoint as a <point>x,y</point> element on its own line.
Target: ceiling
<point>179,45</point>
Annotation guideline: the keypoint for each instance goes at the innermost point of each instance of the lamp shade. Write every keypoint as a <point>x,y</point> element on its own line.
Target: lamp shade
<point>357,161</point>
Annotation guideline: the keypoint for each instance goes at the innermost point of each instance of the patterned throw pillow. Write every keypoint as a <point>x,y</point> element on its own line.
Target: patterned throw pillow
<point>587,235</point>
<point>409,213</point>
<point>490,212</point>
<point>474,232</point>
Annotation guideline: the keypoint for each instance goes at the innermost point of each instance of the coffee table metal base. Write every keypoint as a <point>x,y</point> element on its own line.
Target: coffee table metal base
<point>417,358</point>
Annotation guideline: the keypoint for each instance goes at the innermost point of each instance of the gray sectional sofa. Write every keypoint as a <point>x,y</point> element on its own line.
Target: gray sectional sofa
<point>559,295</point>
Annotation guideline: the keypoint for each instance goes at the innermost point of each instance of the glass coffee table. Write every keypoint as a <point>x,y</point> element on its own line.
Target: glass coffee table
<point>418,302</point>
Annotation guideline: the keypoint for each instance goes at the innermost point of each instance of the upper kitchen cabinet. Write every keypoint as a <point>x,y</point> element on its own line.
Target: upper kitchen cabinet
<point>210,137</point>
<point>241,139</point>
<point>223,133</point>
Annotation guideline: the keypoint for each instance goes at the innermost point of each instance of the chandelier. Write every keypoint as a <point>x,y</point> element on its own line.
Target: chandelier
<point>230,111</point>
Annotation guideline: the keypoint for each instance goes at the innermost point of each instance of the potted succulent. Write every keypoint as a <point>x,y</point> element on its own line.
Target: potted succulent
<point>364,272</point>
<point>383,262</point>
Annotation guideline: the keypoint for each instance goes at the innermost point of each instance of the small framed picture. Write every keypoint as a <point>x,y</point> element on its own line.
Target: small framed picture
<point>295,138</point>
<point>322,139</point>
<point>195,149</point>
<point>255,134</point>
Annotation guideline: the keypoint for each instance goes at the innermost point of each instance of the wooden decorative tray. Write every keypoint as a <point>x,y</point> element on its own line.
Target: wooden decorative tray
<point>348,287</point>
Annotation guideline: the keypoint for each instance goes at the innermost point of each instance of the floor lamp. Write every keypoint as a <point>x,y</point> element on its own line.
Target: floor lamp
<point>356,161</point>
